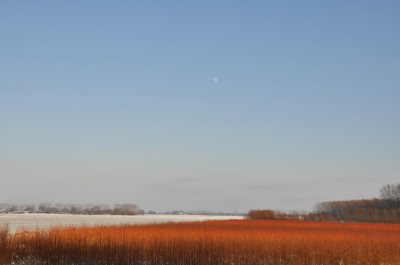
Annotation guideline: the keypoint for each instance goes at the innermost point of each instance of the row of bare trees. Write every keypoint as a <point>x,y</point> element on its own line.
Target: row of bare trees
<point>119,209</point>
<point>361,215</point>
<point>17,207</point>
<point>385,209</point>
<point>282,215</point>
<point>344,208</point>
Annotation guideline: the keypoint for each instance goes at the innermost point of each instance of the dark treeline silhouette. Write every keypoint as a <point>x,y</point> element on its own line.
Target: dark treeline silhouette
<point>280,215</point>
<point>92,209</point>
<point>385,209</point>
<point>261,214</point>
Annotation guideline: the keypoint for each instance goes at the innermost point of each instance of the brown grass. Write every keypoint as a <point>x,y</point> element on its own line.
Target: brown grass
<point>208,242</point>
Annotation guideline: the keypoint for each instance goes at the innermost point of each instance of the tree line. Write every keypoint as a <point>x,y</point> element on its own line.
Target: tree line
<point>90,209</point>
<point>385,209</point>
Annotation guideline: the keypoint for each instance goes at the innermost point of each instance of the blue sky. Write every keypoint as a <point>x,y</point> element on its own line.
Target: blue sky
<point>104,102</point>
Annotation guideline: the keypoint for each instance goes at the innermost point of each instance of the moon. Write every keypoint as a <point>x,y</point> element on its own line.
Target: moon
<point>215,79</point>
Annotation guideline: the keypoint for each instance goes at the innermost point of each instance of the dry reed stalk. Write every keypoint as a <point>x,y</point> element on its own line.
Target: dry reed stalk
<point>211,242</point>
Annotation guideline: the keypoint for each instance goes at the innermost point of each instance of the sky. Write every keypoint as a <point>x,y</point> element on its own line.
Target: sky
<point>199,105</point>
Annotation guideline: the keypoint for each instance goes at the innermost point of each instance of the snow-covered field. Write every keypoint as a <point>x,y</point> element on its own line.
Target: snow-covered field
<point>18,222</point>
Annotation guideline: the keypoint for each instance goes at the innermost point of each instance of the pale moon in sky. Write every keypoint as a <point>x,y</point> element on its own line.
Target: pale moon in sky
<point>215,79</point>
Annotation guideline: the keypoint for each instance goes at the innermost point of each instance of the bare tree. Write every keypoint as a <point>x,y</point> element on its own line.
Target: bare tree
<point>44,207</point>
<point>30,207</point>
<point>388,195</point>
<point>76,210</point>
<point>127,208</point>
<point>397,194</point>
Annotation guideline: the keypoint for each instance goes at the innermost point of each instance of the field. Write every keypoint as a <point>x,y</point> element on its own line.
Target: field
<point>208,242</point>
<point>45,221</point>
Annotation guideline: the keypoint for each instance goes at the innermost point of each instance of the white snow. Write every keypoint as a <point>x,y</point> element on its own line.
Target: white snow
<point>19,222</point>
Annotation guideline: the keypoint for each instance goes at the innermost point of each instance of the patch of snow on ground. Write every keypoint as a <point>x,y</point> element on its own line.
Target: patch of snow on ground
<point>19,222</point>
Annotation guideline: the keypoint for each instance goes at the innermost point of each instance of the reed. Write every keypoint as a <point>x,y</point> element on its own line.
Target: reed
<point>209,242</point>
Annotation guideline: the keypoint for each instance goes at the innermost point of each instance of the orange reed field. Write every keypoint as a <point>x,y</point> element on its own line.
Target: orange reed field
<point>209,242</point>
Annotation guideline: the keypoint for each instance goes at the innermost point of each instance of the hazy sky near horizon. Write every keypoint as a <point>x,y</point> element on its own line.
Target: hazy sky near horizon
<point>117,102</point>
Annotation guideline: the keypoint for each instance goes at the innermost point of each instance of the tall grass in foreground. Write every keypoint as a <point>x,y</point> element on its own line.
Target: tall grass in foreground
<point>4,241</point>
<point>209,242</point>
